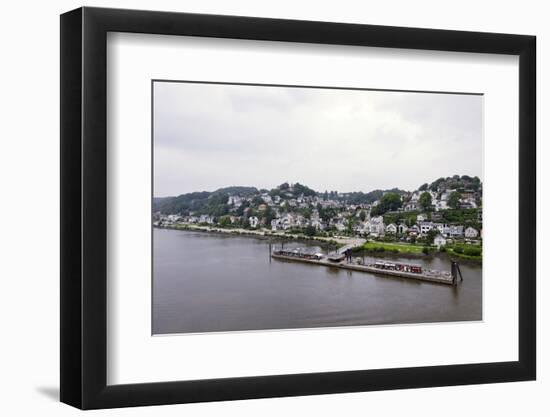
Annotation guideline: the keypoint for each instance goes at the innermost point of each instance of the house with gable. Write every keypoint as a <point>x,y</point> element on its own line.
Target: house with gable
<point>391,228</point>
<point>471,233</point>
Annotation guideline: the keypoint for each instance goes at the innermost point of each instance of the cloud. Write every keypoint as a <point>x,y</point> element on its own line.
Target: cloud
<point>207,136</point>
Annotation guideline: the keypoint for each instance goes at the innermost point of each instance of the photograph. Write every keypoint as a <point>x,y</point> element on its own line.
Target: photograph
<point>295,207</point>
<point>282,204</point>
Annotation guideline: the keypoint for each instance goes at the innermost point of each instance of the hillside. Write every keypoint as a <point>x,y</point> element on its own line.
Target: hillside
<point>203,202</point>
<point>456,182</point>
<point>218,203</point>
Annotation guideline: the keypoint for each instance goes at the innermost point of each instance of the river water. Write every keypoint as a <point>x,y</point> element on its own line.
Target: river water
<point>204,282</point>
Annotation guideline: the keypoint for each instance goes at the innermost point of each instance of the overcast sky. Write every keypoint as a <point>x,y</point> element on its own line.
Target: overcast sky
<point>209,136</point>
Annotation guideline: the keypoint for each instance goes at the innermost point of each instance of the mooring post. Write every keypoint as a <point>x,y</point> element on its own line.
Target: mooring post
<point>459,271</point>
<point>455,272</point>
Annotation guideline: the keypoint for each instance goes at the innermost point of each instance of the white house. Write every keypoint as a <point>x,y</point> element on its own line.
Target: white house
<point>425,227</point>
<point>471,233</point>
<point>275,224</point>
<point>391,228</point>
<point>317,223</point>
<point>376,225</point>
<point>267,199</point>
<point>172,218</point>
<point>300,221</point>
<point>287,221</point>
<point>402,228</point>
<point>456,231</point>
<point>420,217</point>
<point>253,221</point>
<point>443,228</point>
<point>411,206</point>
<point>205,218</point>
<point>339,225</point>
<point>440,241</point>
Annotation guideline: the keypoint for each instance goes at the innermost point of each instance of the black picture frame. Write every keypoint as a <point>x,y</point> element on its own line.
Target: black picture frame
<point>84,207</point>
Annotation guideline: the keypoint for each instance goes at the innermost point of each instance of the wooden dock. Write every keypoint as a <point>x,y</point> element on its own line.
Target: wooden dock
<point>439,277</point>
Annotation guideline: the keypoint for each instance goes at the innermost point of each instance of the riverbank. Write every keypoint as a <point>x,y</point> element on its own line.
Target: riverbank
<point>337,241</point>
<point>383,249</point>
<point>359,245</point>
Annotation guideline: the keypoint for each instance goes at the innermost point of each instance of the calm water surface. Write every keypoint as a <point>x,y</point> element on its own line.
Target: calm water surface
<point>210,282</point>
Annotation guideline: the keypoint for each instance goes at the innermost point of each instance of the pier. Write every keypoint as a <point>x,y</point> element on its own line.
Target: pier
<point>381,268</point>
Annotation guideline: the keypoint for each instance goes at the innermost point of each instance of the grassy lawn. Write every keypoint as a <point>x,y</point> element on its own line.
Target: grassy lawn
<point>389,246</point>
<point>460,252</point>
<point>465,252</point>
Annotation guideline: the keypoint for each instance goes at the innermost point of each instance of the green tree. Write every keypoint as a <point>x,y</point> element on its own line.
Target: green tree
<point>472,251</point>
<point>242,208</point>
<point>362,215</point>
<point>224,221</point>
<point>302,189</point>
<point>309,230</point>
<point>425,200</point>
<point>435,185</point>
<point>423,187</point>
<point>351,223</point>
<point>257,200</point>
<point>431,236</point>
<point>476,184</point>
<point>389,202</point>
<point>454,200</point>
<point>327,213</point>
<point>269,216</point>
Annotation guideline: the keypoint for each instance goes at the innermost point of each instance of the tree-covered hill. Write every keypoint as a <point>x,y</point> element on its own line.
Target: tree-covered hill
<point>202,202</point>
<point>238,190</point>
<point>456,182</point>
<point>216,203</point>
<point>287,191</point>
<point>370,197</point>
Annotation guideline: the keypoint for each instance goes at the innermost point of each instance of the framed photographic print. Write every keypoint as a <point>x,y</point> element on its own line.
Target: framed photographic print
<point>258,207</point>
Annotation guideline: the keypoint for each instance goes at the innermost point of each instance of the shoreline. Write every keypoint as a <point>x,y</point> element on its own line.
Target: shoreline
<point>440,255</point>
<point>339,241</point>
<point>264,235</point>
